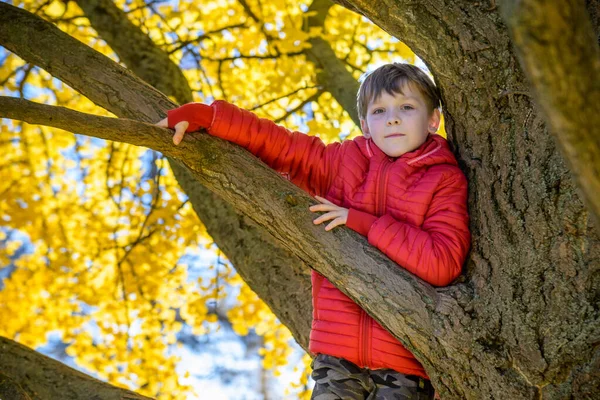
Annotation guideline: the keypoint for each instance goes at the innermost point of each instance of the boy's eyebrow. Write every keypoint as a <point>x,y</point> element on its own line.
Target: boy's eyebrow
<point>411,98</point>
<point>404,98</point>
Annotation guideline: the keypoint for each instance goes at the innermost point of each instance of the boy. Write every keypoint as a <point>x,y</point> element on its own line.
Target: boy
<point>398,185</point>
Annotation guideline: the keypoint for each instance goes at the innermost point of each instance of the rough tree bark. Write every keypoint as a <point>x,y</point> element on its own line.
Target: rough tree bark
<point>524,323</point>
<point>534,264</point>
<point>34,376</point>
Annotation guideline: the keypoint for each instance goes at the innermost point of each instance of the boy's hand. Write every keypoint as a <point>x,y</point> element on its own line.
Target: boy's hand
<point>180,129</point>
<point>190,117</point>
<point>339,215</point>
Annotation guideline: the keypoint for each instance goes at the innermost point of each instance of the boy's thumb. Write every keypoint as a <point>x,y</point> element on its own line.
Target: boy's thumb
<point>180,129</point>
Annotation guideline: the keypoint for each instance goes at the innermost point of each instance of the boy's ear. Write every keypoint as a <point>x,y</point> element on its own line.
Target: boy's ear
<point>365,128</point>
<point>434,121</point>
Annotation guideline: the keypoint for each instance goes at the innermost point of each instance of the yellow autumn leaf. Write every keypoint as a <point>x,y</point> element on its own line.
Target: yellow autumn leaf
<point>55,9</point>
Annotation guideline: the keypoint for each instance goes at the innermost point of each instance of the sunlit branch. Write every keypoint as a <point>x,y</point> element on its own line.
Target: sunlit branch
<point>285,95</point>
<point>220,81</point>
<point>250,57</point>
<point>122,172</point>
<point>13,73</point>
<point>163,32</point>
<point>125,300</point>
<point>107,180</point>
<point>249,11</point>
<point>115,233</point>
<point>12,163</point>
<point>116,129</point>
<point>50,378</point>
<point>299,107</point>
<point>205,35</point>
<point>149,4</point>
<point>137,281</point>
<point>129,248</point>
<point>217,279</point>
<point>354,67</point>
<point>153,205</point>
<point>21,87</point>
<point>214,162</point>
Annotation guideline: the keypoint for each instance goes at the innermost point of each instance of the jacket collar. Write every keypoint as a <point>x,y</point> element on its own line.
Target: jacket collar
<point>435,150</point>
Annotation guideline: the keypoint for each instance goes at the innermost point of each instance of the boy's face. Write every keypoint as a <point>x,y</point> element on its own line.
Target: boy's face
<point>400,123</point>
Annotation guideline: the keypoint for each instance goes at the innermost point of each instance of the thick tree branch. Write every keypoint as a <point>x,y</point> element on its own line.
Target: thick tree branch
<point>28,375</point>
<point>559,53</point>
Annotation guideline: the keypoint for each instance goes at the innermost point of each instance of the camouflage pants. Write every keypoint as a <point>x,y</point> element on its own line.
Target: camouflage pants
<point>336,378</point>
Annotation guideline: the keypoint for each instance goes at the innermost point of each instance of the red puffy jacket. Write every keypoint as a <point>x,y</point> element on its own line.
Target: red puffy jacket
<point>413,208</point>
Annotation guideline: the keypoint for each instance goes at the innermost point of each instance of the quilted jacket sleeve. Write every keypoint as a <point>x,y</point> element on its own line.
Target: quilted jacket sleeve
<point>306,160</point>
<point>435,251</point>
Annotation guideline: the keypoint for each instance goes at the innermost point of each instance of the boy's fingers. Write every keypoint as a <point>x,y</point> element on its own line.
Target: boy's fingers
<point>326,217</point>
<point>180,131</point>
<point>177,138</point>
<point>323,207</point>
<point>334,223</point>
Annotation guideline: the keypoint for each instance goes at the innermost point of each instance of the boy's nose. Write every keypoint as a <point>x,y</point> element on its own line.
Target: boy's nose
<point>394,121</point>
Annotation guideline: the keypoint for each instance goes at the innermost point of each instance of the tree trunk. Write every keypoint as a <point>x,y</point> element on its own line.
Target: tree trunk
<point>524,322</point>
<point>533,272</point>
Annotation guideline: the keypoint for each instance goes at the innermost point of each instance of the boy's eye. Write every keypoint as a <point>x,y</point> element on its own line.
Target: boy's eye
<point>378,111</point>
<point>407,108</point>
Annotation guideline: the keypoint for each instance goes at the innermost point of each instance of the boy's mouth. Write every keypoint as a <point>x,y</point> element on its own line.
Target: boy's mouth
<point>395,135</point>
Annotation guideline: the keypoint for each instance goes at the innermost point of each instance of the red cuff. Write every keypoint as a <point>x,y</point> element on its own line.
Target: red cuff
<point>197,114</point>
<point>360,221</point>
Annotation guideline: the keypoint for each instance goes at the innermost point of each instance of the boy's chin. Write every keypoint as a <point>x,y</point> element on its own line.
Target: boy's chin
<point>395,153</point>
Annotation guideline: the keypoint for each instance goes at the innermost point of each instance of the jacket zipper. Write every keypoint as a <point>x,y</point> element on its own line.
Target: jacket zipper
<point>365,338</point>
<point>381,203</point>
<point>381,192</point>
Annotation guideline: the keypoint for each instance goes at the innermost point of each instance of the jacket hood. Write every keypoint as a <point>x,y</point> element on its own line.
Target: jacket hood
<point>435,150</point>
